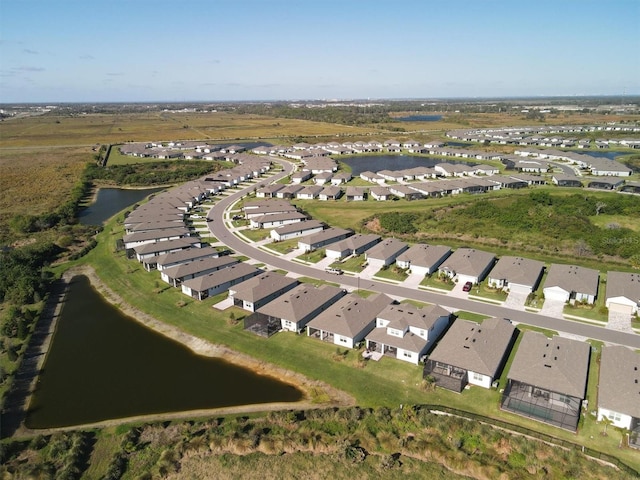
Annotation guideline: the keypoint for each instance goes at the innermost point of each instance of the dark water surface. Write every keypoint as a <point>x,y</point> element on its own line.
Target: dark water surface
<point>375,163</point>
<point>421,118</point>
<point>103,365</point>
<point>110,201</point>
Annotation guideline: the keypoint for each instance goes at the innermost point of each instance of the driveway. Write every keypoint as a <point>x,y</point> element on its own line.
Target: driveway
<point>553,308</point>
<point>620,321</point>
<point>413,280</point>
<point>515,300</point>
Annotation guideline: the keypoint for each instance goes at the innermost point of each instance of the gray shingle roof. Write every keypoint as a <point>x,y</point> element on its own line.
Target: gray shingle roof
<point>619,386</point>
<point>476,347</point>
<point>557,364</point>
<point>522,271</point>
<point>468,261</point>
<point>262,286</point>
<point>573,278</point>
<point>622,284</point>
<point>424,255</point>
<point>299,302</point>
<point>351,314</point>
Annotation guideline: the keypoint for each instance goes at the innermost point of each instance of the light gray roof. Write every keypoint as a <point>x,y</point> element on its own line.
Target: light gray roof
<point>186,255</point>
<point>220,277</point>
<point>573,278</point>
<point>350,315</point>
<point>424,255</point>
<point>279,217</point>
<point>386,249</point>
<point>557,364</point>
<point>410,341</point>
<point>167,245</point>
<point>180,231</point>
<point>326,235</point>
<point>476,347</point>
<point>155,225</point>
<point>354,242</point>
<point>623,284</point>
<point>522,271</point>
<point>298,303</point>
<point>468,261</point>
<point>199,265</point>
<point>619,386</point>
<point>262,286</point>
<point>299,226</point>
<point>406,315</point>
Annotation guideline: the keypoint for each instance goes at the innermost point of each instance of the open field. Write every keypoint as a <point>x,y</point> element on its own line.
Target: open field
<point>159,126</point>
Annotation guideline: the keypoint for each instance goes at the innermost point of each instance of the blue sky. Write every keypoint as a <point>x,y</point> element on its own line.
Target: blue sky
<point>216,50</point>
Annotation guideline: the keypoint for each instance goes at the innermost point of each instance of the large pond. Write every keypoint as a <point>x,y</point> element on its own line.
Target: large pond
<point>420,118</point>
<point>375,163</point>
<point>110,201</point>
<point>103,365</point>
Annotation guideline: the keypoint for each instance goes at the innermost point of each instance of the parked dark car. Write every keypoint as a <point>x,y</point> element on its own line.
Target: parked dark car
<point>467,287</point>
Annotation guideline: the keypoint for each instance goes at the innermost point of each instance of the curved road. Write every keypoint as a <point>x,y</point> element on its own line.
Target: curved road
<point>218,228</point>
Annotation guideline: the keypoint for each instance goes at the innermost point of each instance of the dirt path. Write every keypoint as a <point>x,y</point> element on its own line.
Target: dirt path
<point>197,345</point>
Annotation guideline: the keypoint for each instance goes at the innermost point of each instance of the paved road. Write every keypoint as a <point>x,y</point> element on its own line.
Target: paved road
<point>220,231</point>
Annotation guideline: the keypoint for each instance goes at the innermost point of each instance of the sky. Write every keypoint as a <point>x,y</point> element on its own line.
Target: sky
<point>233,50</point>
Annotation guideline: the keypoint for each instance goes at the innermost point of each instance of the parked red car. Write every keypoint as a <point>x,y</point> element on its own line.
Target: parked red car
<point>467,287</point>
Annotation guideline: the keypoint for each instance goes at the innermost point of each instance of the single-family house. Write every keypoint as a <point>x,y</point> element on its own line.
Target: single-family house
<point>547,380</point>
<point>372,177</point>
<point>516,274</point>
<point>277,220</point>
<point>136,239</point>
<point>289,191</point>
<point>468,265</point>
<point>623,292</point>
<point>571,283</point>
<point>269,191</point>
<point>405,191</point>
<point>605,183</point>
<point>385,253</point>
<point>169,260</point>
<point>297,229</point>
<point>340,178</point>
<point>312,242</point>
<point>178,274</point>
<point>300,176</point>
<point>257,291</point>
<point>631,187</point>
<point>330,192</point>
<point>148,250</point>
<point>292,310</point>
<point>563,180</point>
<point>619,390</point>
<point>355,194</point>
<point>406,332</point>
<point>353,245</point>
<point>422,258</point>
<point>471,353</point>
<point>380,193</point>
<point>309,192</point>
<point>349,320</point>
<point>216,282</point>
<point>322,178</point>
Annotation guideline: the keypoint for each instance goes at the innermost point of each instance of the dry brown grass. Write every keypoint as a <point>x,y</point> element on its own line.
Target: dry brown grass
<point>35,181</point>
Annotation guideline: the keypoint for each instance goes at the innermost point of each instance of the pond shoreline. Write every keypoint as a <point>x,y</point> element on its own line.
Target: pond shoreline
<point>46,328</point>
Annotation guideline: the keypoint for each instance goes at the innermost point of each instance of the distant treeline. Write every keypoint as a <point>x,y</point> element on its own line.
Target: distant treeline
<point>149,174</point>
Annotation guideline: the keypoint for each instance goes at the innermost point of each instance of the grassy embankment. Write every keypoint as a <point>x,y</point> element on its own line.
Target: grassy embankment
<point>384,383</point>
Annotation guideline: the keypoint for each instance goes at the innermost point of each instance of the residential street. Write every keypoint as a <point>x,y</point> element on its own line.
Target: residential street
<point>566,327</point>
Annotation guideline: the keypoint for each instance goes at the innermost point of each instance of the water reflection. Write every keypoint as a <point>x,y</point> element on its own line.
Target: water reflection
<point>103,365</point>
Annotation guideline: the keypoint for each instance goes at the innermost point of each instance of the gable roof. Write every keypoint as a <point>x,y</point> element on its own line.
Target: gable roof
<point>522,271</point>
<point>476,347</point>
<point>199,265</point>
<point>572,278</point>
<point>262,285</point>
<point>406,315</point>
<point>557,364</point>
<point>301,301</point>
<point>622,284</point>
<point>422,254</point>
<point>619,386</point>
<point>351,314</point>
<point>468,261</point>
<point>220,277</point>
<point>186,255</point>
<point>386,249</point>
